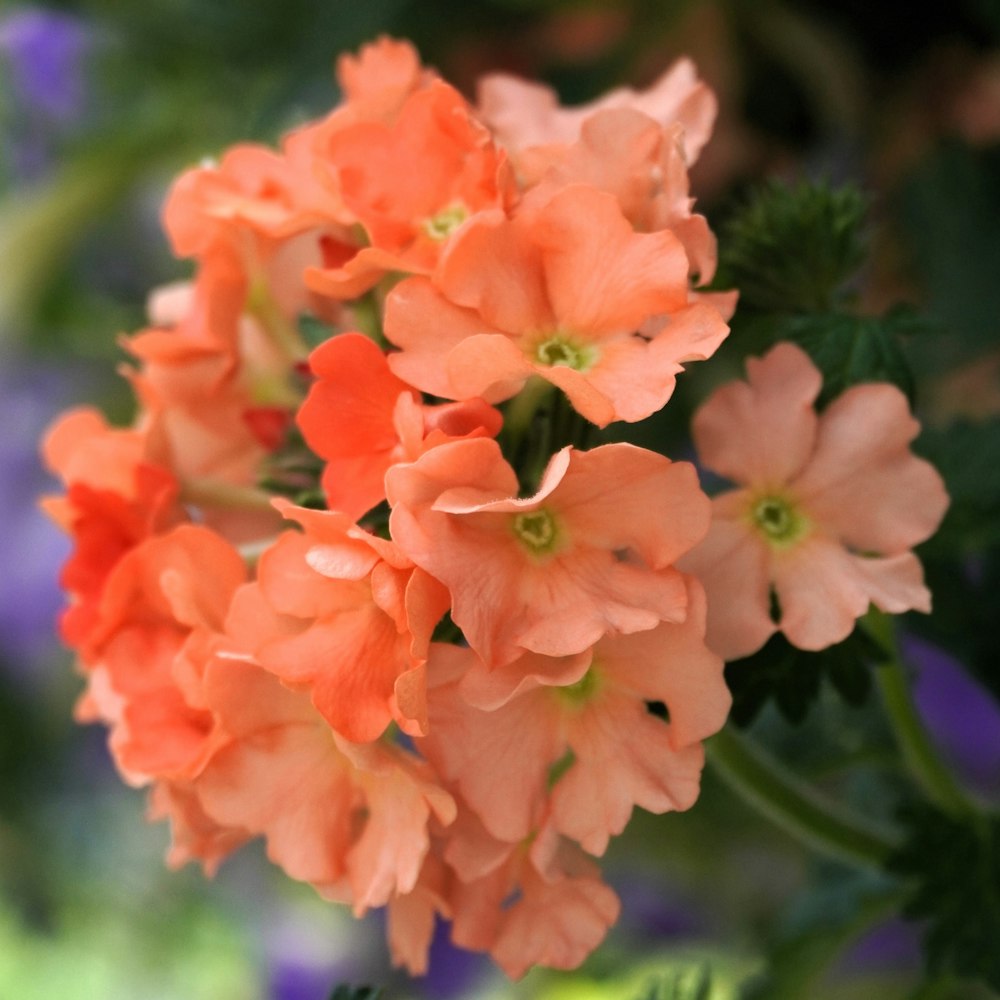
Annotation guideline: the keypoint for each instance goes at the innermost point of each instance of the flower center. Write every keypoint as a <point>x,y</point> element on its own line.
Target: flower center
<point>560,351</point>
<point>581,692</point>
<point>536,530</point>
<point>778,520</point>
<point>441,226</point>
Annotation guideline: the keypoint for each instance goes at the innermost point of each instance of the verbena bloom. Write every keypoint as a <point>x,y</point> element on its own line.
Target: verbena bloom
<point>143,656</point>
<point>347,616</point>
<point>827,508</point>
<point>590,553</point>
<point>524,115</point>
<point>350,819</point>
<point>578,739</point>
<point>362,419</point>
<point>570,294</point>
<point>453,170</point>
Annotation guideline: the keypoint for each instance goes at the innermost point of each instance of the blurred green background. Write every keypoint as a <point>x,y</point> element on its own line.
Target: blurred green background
<point>103,102</point>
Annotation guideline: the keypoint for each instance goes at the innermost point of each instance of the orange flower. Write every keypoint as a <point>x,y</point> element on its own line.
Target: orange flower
<point>540,902</point>
<point>829,506</point>
<point>362,419</point>
<point>349,819</point>
<point>118,494</point>
<point>453,170</point>
<point>560,294</point>
<point>146,650</point>
<point>347,616</point>
<point>501,736</point>
<point>590,553</point>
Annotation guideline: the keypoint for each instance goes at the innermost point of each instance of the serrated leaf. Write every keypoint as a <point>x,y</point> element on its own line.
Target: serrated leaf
<point>792,678</point>
<point>954,865</point>
<point>849,350</point>
<point>791,249</point>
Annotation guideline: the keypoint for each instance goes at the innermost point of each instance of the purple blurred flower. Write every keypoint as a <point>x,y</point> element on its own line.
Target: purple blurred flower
<point>44,50</point>
<point>962,716</point>
<point>451,971</point>
<point>31,548</point>
<point>894,944</point>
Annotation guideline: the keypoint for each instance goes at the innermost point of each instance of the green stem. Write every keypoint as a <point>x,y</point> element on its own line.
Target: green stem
<point>797,807</point>
<point>210,493</point>
<point>525,404</point>
<point>919,752</point>
<point>261,305</point>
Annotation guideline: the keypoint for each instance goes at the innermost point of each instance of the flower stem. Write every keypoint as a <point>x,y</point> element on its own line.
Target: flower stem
<point>919,752</point>
<point>211,493</point>
<point>797,807</point>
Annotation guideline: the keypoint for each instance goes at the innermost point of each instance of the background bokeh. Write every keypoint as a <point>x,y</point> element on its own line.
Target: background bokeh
<point>103,102</point>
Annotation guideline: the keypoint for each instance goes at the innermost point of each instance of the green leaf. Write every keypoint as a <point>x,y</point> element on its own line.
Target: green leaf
<point>346,992</point>
<point>793,249</point>
<point>954,865</point>
<point>683,984</point>
<point>792,678</point>
<point>851,350</point>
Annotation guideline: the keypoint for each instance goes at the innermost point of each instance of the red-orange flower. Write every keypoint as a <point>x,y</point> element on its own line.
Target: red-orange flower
<point>361,419</point>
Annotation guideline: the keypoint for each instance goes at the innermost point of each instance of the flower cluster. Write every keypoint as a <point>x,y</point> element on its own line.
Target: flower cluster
<point>353,582</point>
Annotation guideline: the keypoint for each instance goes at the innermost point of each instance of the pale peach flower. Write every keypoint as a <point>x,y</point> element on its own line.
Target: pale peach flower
<point>828,507</point>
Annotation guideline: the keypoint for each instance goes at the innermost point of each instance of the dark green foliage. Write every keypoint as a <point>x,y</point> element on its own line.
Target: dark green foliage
<point>968,457</point>
<point>943,209</point>
<point>345,992</point>
<point>792,250</point>
<point>954,865</point>
<point>850,350</point>
<point>793,677</point>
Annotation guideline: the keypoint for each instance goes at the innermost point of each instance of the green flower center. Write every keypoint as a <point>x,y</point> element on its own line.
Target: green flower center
<point>582,691</point>
<point>561,351</point>
<point>778,520</point>
<point>441,226</point>
<point>536,530</point>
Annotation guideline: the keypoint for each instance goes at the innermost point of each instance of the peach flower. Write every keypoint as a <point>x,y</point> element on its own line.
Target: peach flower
<point>575,736</point>
<point>828,507</point>
<point>361,419</point>
<point>562,294</point>
<point>350,819</point>
<point>523,115</point>
<point>453,170</point>
<point>346,616</point>
<point>590,553</point>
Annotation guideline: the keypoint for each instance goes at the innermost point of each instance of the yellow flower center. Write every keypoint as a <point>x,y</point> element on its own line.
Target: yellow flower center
<point>441,226</point>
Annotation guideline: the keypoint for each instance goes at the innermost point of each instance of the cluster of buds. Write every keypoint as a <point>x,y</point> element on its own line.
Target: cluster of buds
<point>353,582</point>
